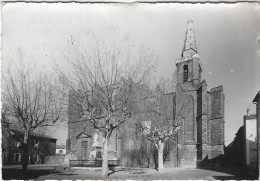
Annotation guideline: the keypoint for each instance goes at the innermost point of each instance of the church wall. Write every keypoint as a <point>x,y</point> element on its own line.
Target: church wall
<point>202,121</point>
<point>188,150</point>
<point>203,115</point>
<point>216,151</point>
<point>208,118</point>
<point>217,116</point>
<point>199,129</point>
<point>217,102</point>
<point>188,156</point>
<point>199,123</point>
<point>216,131</point>
<point>184,113</point>
<point>75,129</point>
<point>196,71</point>
<point>74,126</point>
<point>131,138</point>
<point>172,159</point>
<point>180,70</point>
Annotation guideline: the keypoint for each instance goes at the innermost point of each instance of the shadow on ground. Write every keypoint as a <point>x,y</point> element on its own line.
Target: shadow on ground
<point>114,170</point>
<point>16,173</point>
<point>235,173</point>
<point>130,172</point>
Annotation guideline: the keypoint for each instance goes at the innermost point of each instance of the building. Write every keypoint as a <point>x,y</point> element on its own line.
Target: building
<point>235,151</point>
<point>60,150</point>
<point>257,102</point>
<point>242,151</point>
<point>250,138</point>
<point>202,133</point>
<point>200,113</point>
<point>39,146</point>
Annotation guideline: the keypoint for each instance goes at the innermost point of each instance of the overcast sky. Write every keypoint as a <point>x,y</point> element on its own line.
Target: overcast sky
<point>226,37</point>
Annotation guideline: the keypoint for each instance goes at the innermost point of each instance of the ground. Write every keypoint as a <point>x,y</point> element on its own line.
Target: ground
<point>45,172</point>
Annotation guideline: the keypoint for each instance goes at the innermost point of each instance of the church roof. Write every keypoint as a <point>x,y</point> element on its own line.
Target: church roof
<point>256,98</point>
<point>60,147</point>
<point>189,48</point>
<point>202,83</point>
<point>216,89</point>
<point>35,135</point>
<point>251,116</point>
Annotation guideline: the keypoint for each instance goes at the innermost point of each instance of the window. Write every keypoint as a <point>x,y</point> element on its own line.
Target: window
<point>60,151</point>
<point>99,154</point>
<point>185,73</point>
<point>17,157</point>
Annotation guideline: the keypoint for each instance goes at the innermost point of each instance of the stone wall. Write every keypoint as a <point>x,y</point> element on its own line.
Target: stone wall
<point>57,159</point>
<point>217,102</point>
<point>188,156</point>
<point>206,108</point>
<point>217,150</point>
<point>217,116</point>
<point>75,129</point>
<point>217,131</point>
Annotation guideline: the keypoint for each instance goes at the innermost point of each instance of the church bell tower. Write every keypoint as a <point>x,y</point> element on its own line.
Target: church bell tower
<point>188,66</point>
<point>188,79</point>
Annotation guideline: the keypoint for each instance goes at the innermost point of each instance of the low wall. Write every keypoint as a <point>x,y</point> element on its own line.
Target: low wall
<point>57,159</point>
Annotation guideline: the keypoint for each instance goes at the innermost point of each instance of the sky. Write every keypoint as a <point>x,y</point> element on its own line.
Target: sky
<point>226,37</point>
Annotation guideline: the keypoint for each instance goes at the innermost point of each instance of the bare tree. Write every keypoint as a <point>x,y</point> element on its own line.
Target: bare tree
<point>165,126</point>
<point>158,135</point>
<point>105,77</point>
<point>29,102</point>
<point>167,85</point>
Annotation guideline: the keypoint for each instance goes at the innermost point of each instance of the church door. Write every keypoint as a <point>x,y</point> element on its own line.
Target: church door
<point>83,147</point>
<point>84,150</point>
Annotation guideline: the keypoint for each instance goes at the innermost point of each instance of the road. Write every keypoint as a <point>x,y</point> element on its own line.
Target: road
<point>45,173</point>
<point>202,174</point>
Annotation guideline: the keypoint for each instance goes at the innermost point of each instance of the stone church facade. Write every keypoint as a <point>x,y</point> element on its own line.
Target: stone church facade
<point>199,112</point>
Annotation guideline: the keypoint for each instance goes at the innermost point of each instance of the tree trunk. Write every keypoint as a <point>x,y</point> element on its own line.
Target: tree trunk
<point>25,154</point>
<point>160,156</point>
<point>105,159</point>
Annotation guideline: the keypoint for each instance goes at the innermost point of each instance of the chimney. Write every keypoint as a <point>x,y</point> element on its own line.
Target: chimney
<point>247,111</point>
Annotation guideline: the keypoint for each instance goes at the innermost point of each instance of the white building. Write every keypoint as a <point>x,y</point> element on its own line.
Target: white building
<point>250,141</point>
<point>257,102</point>
<point>60,149</point>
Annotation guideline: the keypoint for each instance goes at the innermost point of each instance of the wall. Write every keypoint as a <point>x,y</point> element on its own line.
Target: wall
<point>217,116</point>
<point>250,143</point>
<point>61,151</point>
<point>57,159</point>
<point>258,133</point>
<point>47,147</point>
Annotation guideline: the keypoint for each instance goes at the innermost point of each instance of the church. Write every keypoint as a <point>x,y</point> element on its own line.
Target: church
<point>199,112</point>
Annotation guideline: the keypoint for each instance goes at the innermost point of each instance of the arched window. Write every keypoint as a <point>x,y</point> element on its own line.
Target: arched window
<point>185,73</point>
<point>189,119</point>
